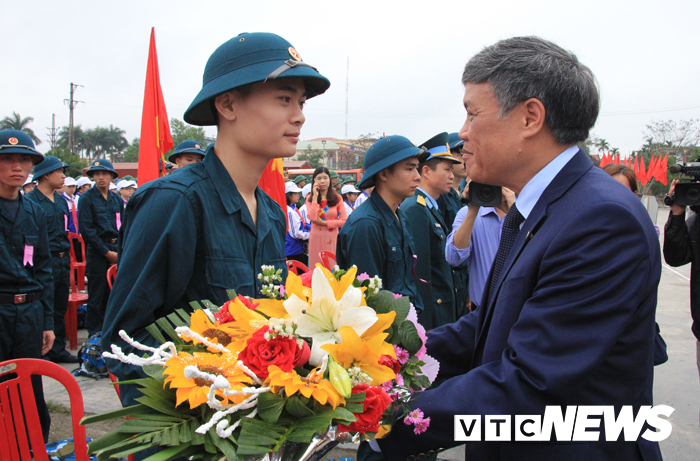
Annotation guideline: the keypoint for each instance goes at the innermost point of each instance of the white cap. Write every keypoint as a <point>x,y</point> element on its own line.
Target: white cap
<point>69,181</point>
<point>133,183</point>
<point>83,180</point>
<point>112,186</point>
<point>30,178</point>
<point>306,190</point>
<point>289,186</point>
<point>348,189</point>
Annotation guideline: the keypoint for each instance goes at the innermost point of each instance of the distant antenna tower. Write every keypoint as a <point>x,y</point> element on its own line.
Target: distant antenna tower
<point>53,134</point>
<point>347,87</point>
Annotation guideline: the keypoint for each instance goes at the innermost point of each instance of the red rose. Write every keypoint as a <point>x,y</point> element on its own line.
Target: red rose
<point>260,353</point>
<point>224,316</point>
<point>375,404</point>
<point>391,362</point>
<point>302,355</point>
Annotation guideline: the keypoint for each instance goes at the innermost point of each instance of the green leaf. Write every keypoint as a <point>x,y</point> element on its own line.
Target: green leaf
<point>355,398</point>
<point>231,294</point>
<point>355,408</point>
<point>224,445</point>
<point>168,329</point>
<point>195,305</point>
<point>297,407</point>
<point>270,406</point>
<point>382,302</point>
<point>155,372</point>
<point>401,306</point>
<point>158,402</point>
<point>122,412</point>
<point>155,332</point>
<point>409,337</point>
<point>172,452</point>
<point>176,320</point>
<point>184,315</point>
<point>106,440</point>
<point>210,305</point>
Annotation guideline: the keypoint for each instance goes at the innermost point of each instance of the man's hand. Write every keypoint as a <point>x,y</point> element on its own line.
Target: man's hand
<point>47,342</point>
<point>111,257</point>
<point>508,198</point>
<point>465,195</point>
<point>675,209</point>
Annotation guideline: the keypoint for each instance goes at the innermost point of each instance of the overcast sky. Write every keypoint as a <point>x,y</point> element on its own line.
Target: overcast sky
<point>406,58</point>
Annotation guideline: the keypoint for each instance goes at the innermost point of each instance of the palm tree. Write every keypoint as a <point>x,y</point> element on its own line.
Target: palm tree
<point>16,122</point>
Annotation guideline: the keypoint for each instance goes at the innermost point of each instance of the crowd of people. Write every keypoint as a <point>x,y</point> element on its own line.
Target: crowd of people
<point>546,298</point>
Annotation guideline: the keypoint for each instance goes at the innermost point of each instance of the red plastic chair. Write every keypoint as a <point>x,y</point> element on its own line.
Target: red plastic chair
<point>19,414</point>
<point>328,259</point>
<point>75,299</point>
<point>75,266</point>
<point>111,275</point>
<point>297,267</point>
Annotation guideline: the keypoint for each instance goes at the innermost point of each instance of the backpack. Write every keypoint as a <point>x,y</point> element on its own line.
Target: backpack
<point>90,355</point>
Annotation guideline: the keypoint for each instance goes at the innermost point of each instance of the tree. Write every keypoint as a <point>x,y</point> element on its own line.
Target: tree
<point>313,157</point>
<point>182,131</point>
<point>681,137</point>
<point>361,144</point>
<point>16,122</point>
<point>131,153</point>
<point>76,163</point>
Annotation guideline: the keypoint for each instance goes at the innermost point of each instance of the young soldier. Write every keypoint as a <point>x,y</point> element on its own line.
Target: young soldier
<point>430,234</point>
<point>209,227</point>
<point>26,285</point>
<point>99,218</point>
<point>49,175</point>
<point>376,237</point>
<point>187,152</point>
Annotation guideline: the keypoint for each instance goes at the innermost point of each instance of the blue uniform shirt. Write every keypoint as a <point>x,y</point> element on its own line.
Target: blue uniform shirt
<point>97,219</point>
<point>57,216</point>
<point>187,237</point>
<point>373,240</point>
<point>28,228</point>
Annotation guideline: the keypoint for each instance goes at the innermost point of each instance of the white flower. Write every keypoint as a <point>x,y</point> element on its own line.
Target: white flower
<point>323,318</point>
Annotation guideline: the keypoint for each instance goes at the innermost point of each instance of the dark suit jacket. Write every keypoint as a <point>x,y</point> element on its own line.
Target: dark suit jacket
<point>572,323</point>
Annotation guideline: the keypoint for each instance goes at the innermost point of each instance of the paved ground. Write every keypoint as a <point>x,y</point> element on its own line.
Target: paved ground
<point>676,382</point>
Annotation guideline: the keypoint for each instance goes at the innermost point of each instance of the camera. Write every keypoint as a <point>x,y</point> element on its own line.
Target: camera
<point>686,193</point>
<point>484,195</point>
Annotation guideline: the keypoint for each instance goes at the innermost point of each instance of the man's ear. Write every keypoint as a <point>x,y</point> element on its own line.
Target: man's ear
<point>533,113</point>
<point>225,105</point>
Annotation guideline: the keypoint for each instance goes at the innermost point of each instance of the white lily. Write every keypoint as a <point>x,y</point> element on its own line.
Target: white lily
<point>322,319</point>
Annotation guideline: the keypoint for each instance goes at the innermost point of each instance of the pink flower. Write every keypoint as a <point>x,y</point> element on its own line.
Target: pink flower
<point>421,426</point>
<point>282,290</point>
<point>388,385</point>
<point>399,380</point>
<point>414,417</point>
<point>363,276</point>
<point>402,355</point>
<point>397,296</point>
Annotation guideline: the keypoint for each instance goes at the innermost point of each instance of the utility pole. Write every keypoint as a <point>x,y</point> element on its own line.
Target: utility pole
<point>52,132</point>
<point>71,105</point>
<point>347,89</point>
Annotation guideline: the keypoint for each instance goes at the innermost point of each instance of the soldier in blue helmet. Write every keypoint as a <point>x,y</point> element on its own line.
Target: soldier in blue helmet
<point>99,219</point>
<point>50,177</point>
<point>208,227</point>
<point>187,152</point>
<point>449,205</point>
<point>430,234</point>
<point>26,285</point>
<point>376,237</point>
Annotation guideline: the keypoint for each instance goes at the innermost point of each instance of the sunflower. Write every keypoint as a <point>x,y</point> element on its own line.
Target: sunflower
<point>196,389</point>
<point>309,386</point>
<point>231,335</point>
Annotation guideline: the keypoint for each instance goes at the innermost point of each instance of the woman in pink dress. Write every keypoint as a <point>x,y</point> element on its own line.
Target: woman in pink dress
<point>326,211</point>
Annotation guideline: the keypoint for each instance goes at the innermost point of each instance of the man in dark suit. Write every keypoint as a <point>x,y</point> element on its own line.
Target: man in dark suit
<point>567,316</point>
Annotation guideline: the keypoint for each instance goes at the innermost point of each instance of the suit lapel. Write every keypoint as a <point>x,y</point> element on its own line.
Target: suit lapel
<point>562,182</point>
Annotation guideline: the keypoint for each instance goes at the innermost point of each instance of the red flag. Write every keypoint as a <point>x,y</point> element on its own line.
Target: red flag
<point>617,159</point>
<point>662,175</point>
<point>636,166</point>
<point>272,182</point>
<point>155,130</point>
<point>603,161</point>
<point>654,167</point>
<point>642,171</point>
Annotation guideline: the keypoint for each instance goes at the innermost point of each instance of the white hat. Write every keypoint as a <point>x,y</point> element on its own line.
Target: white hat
<point>83,180</point>
<point>289,186</point>
<point>133,183</point>
<point>30,178</point>
<point>112,186</point>
<point>69,181</point>
<point>306,190</point>
<point>123,183</point>
<point>349,189</point>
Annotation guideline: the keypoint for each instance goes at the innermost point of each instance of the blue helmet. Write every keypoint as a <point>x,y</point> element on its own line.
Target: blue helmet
<point>19,142</point>
<point>101,165</point>
<point>454,141</point>
<point>187,147</point>
<point>386,152</point>
<point>249,58</point>
<point>49,164</point>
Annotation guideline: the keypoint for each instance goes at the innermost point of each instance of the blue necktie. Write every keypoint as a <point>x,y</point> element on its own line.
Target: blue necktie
<point>511,227</point>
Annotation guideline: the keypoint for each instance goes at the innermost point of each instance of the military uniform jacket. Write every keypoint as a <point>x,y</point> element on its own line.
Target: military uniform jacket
<point>187,237</point>
<point>430,235</point>
<point>27,234</point>
<point>57,218</point>
<point>98,220</point>
<point>373,240</point>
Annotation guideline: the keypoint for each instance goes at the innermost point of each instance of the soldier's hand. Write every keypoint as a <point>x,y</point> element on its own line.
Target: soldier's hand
<point>47,342</point>
<point>111,257</point>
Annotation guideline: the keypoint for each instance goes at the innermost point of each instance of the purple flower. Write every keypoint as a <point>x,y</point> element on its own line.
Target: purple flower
<point>363,276</point>
<point>282,290</point>
<point>402,355</point>
<point>399,380</point>
<point>421,426</point>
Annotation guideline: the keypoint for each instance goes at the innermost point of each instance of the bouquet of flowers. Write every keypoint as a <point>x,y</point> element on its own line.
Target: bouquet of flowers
<point>324,358</point>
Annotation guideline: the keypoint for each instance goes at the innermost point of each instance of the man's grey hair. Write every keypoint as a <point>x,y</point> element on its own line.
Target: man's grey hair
<point>521,68</point>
